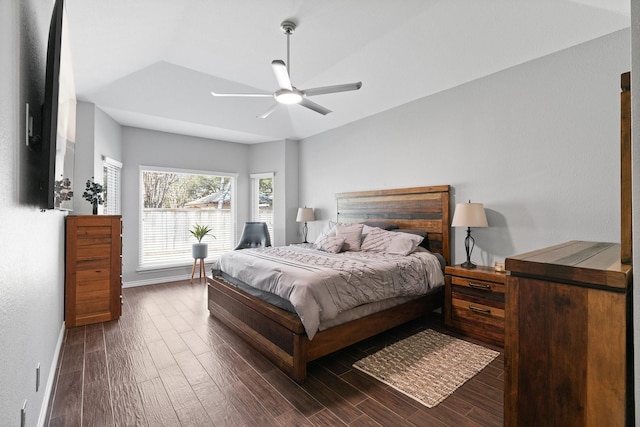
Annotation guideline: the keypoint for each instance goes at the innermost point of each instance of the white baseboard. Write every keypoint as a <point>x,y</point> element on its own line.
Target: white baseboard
<point>147,282</point>
<point>52,376</point>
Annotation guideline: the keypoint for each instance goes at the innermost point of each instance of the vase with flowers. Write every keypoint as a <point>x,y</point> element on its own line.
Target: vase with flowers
<point>93,194</point>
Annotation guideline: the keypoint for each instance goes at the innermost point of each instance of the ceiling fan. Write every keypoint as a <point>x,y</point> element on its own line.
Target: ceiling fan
<point>289,94</point>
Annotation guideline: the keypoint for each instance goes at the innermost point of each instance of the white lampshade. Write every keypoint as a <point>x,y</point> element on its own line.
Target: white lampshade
<point>305,215</point>
<point>469,215</point>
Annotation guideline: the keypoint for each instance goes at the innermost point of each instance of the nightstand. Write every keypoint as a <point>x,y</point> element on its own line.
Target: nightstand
<point>474,302</point>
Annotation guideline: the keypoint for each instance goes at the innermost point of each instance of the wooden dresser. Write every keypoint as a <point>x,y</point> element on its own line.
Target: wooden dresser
<point>93,276</point>
<point>474,302</point>
<point>568,337</point>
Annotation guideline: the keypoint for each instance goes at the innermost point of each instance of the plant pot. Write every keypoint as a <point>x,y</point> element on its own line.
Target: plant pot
<point>200,250</point>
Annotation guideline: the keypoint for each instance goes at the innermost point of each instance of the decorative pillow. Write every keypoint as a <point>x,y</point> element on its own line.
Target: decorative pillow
<point>423,234</point>
<point>381,224</point>
<point>329,230</point>
<point>352,234</point>
<point>378,240</point>
<point>331,244</point>
<point>365,230</point>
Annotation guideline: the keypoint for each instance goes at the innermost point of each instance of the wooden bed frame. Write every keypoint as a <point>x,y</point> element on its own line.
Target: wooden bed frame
<point>280,336</point>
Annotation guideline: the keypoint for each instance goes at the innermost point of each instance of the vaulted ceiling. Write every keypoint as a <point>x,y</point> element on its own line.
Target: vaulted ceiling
<point>153,63</point>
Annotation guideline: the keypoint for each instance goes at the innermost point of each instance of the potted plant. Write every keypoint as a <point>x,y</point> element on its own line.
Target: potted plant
<point>200,250</point>
<point>93,194</point>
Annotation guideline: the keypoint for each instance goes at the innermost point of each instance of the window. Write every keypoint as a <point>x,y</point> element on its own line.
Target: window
<point>262,199</point>
<point>172,202</point>
<point>111,192</point>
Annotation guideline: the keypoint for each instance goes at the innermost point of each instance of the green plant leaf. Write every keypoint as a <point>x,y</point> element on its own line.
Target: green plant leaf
<point>199,231</point>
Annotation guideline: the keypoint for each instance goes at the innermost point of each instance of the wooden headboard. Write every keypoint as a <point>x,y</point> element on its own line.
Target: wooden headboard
<point>416,208</point>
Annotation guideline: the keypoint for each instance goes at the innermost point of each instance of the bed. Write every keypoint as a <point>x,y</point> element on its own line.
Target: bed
<point>280,335</point>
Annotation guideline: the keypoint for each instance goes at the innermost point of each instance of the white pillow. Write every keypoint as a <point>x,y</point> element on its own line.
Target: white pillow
<point>379,240</point>
<point>331,244</point>
<point>352,234</point>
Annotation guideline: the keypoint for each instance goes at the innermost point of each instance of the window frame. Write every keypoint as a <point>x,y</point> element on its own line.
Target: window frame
<point>255,194</point>
<point>163,169</point>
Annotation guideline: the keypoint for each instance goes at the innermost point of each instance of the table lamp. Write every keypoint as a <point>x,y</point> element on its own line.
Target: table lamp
<point>469,215</point>
<point>305,214</point>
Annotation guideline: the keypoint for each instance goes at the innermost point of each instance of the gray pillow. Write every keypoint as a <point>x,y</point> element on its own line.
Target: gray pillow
<point>378,240</point>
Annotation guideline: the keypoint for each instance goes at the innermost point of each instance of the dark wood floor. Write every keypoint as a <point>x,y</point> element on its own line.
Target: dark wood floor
<point>167,362</point>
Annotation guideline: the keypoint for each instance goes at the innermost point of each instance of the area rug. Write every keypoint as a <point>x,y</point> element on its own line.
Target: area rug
<point>427,366</point>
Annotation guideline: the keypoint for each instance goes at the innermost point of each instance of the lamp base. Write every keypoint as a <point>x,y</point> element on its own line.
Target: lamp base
<point>305,230</point>
<point>469,244</point>
<point>468,264</point>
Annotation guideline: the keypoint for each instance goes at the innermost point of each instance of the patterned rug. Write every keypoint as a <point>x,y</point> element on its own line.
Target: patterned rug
<point>427,366</point>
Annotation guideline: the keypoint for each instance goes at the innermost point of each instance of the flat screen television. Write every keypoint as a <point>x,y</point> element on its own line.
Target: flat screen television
<point>57,149</point>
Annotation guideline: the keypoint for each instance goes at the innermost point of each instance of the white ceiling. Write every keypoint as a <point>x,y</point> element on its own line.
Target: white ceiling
<point>153,63</point>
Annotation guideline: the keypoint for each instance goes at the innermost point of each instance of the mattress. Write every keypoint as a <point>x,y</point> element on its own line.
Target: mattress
<point>322,287</point>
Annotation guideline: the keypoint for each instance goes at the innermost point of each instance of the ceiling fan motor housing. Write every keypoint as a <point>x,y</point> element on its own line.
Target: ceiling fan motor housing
<point>288,27</point>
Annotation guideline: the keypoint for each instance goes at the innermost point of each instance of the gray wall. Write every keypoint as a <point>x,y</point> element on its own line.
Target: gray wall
<point>32,249</point>
<point>538,144</point>
<point>84,155</point>
<point>292,154</point>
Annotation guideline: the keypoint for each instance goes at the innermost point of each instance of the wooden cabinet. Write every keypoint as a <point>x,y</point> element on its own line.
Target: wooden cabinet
<point>474,302</point>
<point>93,276</point>
<point>568,343</point>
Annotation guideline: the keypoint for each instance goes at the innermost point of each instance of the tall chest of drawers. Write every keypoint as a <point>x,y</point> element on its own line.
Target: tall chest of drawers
<point>93,269</point>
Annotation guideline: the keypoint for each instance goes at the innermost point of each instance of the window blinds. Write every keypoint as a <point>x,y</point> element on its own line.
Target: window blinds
<point>112,171</point>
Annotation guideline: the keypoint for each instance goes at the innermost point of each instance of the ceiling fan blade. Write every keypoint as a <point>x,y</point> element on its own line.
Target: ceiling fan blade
<point>282,75</point>
<point>332,89</point>
<point>246,95</point>
<point>269,111</point>
<point>315,107</point>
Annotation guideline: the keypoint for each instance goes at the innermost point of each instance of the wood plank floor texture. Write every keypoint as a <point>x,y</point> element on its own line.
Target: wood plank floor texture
<point>166,362</point>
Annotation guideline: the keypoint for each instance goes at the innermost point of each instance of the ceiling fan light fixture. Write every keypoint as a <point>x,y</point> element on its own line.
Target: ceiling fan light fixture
<point>288,96</point>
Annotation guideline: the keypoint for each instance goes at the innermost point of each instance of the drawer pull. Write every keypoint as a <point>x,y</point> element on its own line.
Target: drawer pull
<point>480,286</point>
<point>479,310</point>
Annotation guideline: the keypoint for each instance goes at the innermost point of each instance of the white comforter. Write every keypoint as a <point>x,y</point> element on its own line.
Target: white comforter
<point>321,285</point>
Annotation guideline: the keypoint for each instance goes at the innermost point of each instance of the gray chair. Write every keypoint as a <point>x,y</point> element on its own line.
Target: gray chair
<point>254,235</point>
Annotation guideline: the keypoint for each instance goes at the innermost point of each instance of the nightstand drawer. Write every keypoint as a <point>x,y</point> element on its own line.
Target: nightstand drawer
<point>479,320</point>
<point>468,309</point>
<point>478,291</point>
<point>478,285</point>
